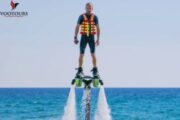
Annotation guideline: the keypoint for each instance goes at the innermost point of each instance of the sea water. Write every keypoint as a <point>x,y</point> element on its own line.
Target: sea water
<point>124,103</point>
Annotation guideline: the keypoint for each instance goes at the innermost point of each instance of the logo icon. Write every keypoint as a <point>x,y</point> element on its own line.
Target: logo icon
<point>13,5</point>
<point>13,12</point>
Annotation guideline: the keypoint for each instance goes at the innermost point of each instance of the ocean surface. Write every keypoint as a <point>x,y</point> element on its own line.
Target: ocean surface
<point>125,103</point>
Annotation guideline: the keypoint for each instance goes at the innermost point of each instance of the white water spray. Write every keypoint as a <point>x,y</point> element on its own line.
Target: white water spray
<point>103,111</point>
<point>70,109</point>
<point>83,105</point>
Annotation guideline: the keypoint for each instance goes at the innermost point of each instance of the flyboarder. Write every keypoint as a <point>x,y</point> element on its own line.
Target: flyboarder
<point>89,28</point>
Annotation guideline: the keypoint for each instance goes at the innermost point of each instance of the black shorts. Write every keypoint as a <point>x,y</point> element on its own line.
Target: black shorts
<point>87,40</point>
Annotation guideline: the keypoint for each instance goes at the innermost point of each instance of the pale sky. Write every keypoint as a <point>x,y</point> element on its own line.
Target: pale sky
<point>140,43</point>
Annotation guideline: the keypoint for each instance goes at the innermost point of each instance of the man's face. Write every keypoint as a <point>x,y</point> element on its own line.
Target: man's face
<point>89,8</point>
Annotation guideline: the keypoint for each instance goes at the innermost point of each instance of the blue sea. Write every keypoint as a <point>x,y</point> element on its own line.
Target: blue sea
<point>125,103</point>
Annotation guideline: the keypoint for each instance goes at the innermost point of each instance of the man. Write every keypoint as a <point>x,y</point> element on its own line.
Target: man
<point>89,28</point>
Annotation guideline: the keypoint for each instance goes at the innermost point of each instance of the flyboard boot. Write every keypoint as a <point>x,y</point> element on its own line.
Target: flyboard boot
<point>78,77</point>
<point>96,77</point>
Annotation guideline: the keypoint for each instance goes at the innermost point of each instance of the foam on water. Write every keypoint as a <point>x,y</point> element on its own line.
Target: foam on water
<point>85,100</point>
<point>70,109</point>
<point>103,111</point>
<point>83,105</point>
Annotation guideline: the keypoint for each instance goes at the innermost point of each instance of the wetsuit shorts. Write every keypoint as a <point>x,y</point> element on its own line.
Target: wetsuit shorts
<point>87,40</point>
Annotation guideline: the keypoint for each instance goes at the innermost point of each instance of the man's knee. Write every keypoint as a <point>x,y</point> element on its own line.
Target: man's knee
<point>93,55</point>
<point>81,56</point>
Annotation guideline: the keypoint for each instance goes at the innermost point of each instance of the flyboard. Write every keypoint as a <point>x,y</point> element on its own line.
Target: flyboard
<point>87,82</point>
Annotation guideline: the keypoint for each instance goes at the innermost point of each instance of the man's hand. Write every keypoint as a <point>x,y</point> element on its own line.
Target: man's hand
<point>76,41</point>
<point>97,42</point>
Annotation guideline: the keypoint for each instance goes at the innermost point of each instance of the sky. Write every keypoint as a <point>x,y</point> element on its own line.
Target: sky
<point>139,43</point>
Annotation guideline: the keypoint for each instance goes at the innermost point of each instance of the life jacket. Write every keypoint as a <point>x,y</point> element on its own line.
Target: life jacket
<point>88,27</point>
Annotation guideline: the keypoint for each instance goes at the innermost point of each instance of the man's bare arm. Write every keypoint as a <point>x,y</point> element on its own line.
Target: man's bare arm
<point>77,30</point>
<point>98,35</point>
<point>76,34</point>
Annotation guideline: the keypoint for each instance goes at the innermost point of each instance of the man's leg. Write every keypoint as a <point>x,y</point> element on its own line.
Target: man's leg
<point>94,59</point>
<point>83,44</point>
<point>80,69</point>
<point>93,55</point>
<point>81,56</point>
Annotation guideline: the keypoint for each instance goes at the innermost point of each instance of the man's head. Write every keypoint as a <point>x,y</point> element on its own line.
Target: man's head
<point>89,7</point>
